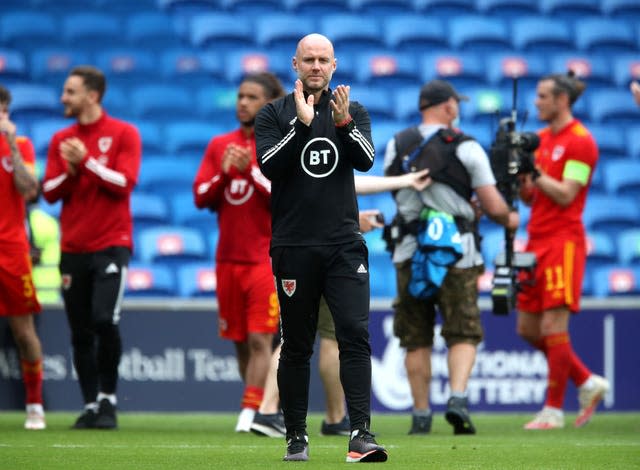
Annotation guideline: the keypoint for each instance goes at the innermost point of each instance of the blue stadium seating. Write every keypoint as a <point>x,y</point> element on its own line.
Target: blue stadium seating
<point>31,102</point>
<point>632,141</point>
<point>252,7</point>
<point>381,68</point>
<point>188,7</point>
<point>29,29</point>
<point>613,106</point>
<point>42,131</point>
<point>345,68</point>
<point>569,8</point>
<point>381,132</point>
<point>624,9</point>
<point>626,68</point>
<point>149,280</point>
<point>413,33</point>
<point>148,209</point>
<point>221,31</point>
<point>506,8</point>
<point>610,213</point>
<point>377,100</point>
<point>615,281</point>
<point>380,7</point>
<point>127,66</point>
<point>281,32</point>
<point>186,66</point>
<point>189,138</point>
<point>13,66</point>
<point>184,212</point>
<point>91,30</point>
<point>479,34</point>
<point>610,139</point>
<point>197,280</point>
<point>316,7</point>
<point>172,245</point>
<point>595,69</point>
<point>152,136</point>
<point>604,35</point>
<point>486,105</point>
<point>167,176</point>
<point>628,242</point>
<point>151,29</point>
<point>460,69</point>
<point>116,102</point>
<point>351,33</point>
<point>219,103</point>
<point>622,177</point>
<point>160,101</point>
<point>445,8</point>
<point>405,104</point>
<point>502,68</point>
<point>382,275</point>
<point>52,64</point>
<point>241,62</point>
<point>375,244</point>
<point>541,34</point>
<point>601,250</point>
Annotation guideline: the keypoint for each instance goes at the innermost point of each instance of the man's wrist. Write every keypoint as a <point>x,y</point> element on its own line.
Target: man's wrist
<point>345,122</point>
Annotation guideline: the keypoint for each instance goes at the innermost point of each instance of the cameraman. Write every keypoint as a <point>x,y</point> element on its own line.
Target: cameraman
<point>458,167</point>
<point>557,189</point>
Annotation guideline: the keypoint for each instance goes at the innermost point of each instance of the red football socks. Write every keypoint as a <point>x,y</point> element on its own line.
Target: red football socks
<point>32,377</point>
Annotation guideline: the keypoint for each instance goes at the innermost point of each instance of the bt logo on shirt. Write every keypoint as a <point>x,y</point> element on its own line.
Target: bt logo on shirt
<point>319,157</point>
<point>238,191</point>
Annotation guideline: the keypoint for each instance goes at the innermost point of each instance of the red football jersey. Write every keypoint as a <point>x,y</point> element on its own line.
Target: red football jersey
<point>242,201</point>
<point>95,202</point>
<point>574,145</point>
<point>12,216</point>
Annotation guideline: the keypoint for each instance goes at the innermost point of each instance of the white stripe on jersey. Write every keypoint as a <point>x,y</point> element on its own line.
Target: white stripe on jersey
<point>260,179</point>
<point>204,187</point>
<point>106,174</point>
<point>363,142</point>
<point>273,150</point>
<point>53,183</point>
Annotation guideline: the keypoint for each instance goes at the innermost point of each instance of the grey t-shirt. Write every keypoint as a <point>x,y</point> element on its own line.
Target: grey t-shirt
<point>442,197</point>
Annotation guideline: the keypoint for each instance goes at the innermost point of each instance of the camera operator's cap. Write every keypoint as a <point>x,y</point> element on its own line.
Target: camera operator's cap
<point>436,92</point>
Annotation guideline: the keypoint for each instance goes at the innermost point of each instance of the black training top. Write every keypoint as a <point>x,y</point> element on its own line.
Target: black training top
<point>313,197</point>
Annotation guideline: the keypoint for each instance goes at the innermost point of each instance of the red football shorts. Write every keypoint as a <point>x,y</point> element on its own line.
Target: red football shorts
<point>557,279</point>
<point>247,300</point>
<point>17,292</point>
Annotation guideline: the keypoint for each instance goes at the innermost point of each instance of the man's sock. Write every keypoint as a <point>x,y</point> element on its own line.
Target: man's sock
<point>252,397</point>
<point>559,352</point>
<point>32,378</point>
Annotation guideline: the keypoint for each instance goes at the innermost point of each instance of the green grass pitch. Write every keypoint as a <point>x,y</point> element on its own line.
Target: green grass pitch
<point>194,441</point>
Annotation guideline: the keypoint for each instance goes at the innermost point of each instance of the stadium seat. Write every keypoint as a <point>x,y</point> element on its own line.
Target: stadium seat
<point>478,34</point>
<point>240,62</point>
<point>413,33</point>
<point>188,7</point>
<point>148,209</point>
<point>569,8</point>
<point>171,245</point>
<point>54,63</point>
<point>375,244</point>
<point>13,66</point>
<point>219,103</point>
<point>152,136</point>
<point>622,177</point>
<point>166,176</point>
<point>614,281</point>
<point>316,7</point>
<point>351,33</point>
<point>381,68</point>
<point>189,138</point>
<point>149,280</point>
<point>32,102</point>
<point>610,213</point>
<point>613,106</point>
<point>610,139</point>
<point>595,69</point>
<point>623,9</point>
<point>29,29</point>
<point>42,131</point>
<point>116,102</point>
<point>601,250</point>
<point>184,212</point>
<point>405,104</point>
<point>197,280</point>
<point>221,31</point>
<point>127,7</point>
<point>152,29</point>
<point>604,35</point>
<point>380,7</point>
<point>628,242</point>
<point>91,30</point>
<point>127,67</point>
<point>382,275</point>
<point>377,100</point>
<point>506,8</point>
<point>626,68</point>
<point>381,201</point>
<point>445,8</point>
<point>482,132</point>
<point>461,70</point>
<point>161,101</point>
<point>252,7</point>
<point>381,133</point>
<point>540,34</point>
<point>527,68</point>
<point>281,32</point>
<point>345,68</point>
<point>187,66</point>
<point>486,105</point>
<point>633,143</point>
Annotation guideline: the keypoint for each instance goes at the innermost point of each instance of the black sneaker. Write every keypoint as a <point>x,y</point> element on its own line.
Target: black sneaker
<point>420,424</point>
<point>106,415</point>
<point>458,416</point>
<point>342,428</point>
<point>270,425</point>
<point>364,448</point>
<point>297,448</point>
<point>87,420</point>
